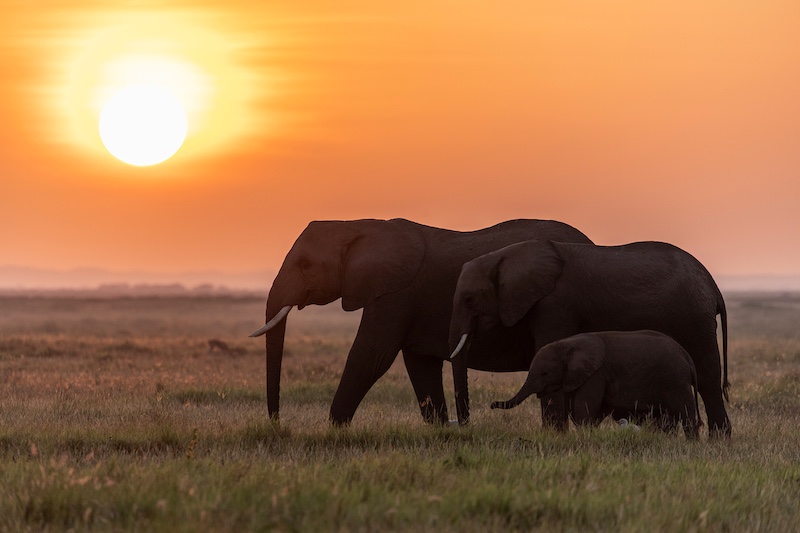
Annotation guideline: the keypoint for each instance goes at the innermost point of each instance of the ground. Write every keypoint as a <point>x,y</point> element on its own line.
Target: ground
<point>114,416</point>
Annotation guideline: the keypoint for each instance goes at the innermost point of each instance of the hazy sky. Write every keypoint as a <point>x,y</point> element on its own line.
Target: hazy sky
<point>676,121</point>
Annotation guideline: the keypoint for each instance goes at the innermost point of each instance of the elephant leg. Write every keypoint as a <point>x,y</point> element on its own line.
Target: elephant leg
<point>690,425</point>
<point>709,386</point>
<point>554,411</point>
<point>585,405</point>
<point>681,412</point>
<point>583,417</point>
<point>374,350</point>
<point>425,373</point>
<point>667,422</point>
<point>718,423</point>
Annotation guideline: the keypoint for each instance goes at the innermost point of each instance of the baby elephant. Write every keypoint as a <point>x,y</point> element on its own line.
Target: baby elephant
<point>625,374</point>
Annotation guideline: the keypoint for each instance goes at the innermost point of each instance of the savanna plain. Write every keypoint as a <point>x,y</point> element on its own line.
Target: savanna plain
<point>115,416</point>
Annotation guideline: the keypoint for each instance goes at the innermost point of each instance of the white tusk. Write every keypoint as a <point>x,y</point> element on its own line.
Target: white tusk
<point>460,345</point>
<point>271,324</point>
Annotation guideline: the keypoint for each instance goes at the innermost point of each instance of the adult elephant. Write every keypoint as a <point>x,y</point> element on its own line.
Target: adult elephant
<point>403,275</point>
<point>561,289</point>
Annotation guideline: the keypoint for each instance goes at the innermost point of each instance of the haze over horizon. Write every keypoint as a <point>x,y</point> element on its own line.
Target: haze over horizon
<point>33,279</point>
<point>631,121</point>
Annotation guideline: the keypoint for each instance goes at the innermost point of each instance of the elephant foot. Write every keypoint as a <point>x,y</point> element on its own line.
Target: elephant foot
<point>433,414</point>
<point>557,425</point>
<point>338,419</point>
<point>716,432</point>
<point>553,419</point>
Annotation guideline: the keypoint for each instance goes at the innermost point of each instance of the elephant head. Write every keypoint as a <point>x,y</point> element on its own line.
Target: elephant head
<point>357,261</point>
<point>565,364</point>
<point>501,287</point>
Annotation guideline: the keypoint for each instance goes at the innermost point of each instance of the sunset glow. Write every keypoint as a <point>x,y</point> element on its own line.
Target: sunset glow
<point>629,120</point>
<point>178,51</point>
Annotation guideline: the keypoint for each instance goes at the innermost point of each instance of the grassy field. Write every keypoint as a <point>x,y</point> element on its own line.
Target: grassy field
<point>113,416</point>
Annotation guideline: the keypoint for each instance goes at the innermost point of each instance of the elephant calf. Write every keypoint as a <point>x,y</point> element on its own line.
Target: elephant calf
<point>624,374</point>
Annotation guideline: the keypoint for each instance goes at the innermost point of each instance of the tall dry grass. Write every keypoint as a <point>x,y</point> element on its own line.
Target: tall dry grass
<point>114,416</point>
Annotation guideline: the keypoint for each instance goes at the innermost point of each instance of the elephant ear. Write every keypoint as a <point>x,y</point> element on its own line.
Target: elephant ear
<point>586,355</point>
<point>384,257</point>
<point>526,272</point>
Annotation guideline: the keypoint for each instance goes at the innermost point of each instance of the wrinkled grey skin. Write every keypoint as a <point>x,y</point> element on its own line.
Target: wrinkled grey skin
<point>403,275</point>
<point>561,289</point>
<point>631,374</point>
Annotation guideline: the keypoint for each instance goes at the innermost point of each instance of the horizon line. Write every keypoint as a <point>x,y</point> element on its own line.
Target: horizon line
<point>22,278</point>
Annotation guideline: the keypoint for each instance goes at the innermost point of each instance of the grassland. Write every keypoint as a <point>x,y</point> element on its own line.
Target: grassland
<point>113,416</point>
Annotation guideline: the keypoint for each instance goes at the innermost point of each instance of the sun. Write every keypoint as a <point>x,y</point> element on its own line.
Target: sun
<point>150,85</point>
<point>143,124</point>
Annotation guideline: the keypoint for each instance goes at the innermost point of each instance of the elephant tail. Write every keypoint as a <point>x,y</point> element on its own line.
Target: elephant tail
<point>723,318</point>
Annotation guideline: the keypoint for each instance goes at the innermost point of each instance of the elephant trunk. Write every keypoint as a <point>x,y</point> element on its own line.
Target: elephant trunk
<point>526,390</point>
<point>460,383</point>
<point>459,342</point>
<point>274,355</point>
<point>275,330</point>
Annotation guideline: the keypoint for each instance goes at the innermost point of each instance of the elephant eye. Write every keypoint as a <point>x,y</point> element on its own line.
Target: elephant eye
<point>303,263</point>
<point>469,301</point>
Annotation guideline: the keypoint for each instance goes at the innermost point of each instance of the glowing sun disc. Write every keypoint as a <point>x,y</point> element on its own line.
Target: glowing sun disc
<point>143,125</point>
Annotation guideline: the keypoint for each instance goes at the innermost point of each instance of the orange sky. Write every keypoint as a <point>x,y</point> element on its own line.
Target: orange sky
<point>629,120</point>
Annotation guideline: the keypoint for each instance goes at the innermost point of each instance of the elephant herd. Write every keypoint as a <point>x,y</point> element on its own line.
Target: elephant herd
<point>628,331</point>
